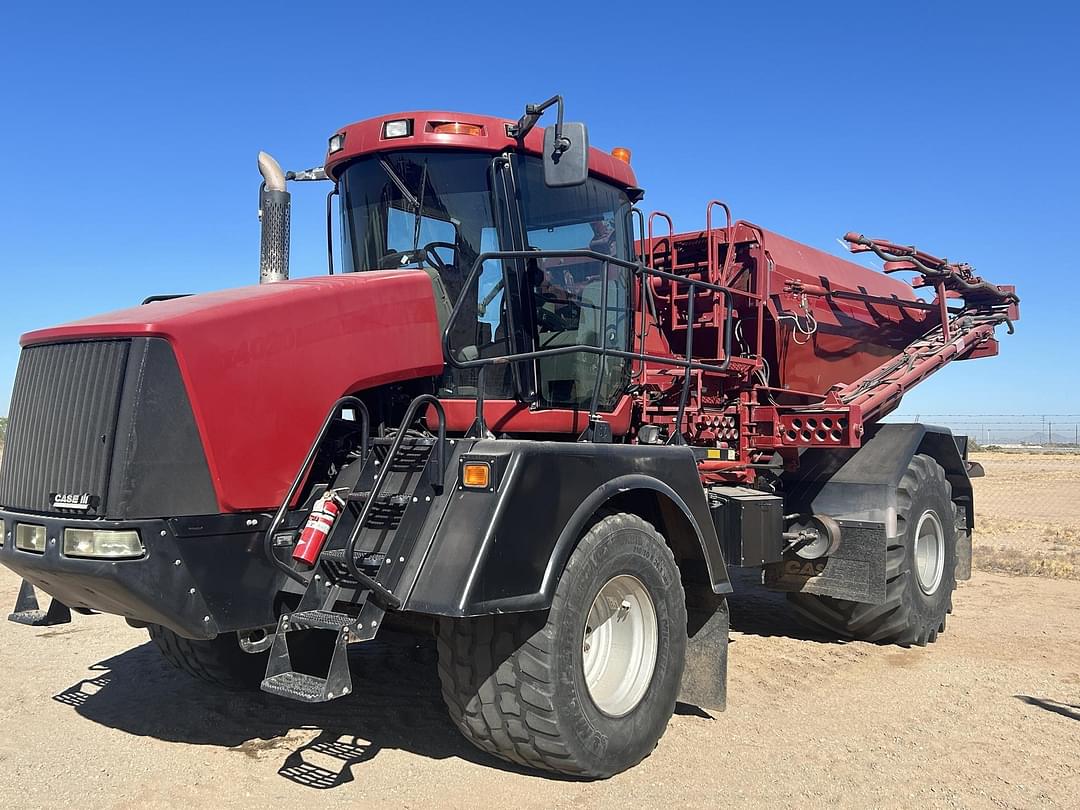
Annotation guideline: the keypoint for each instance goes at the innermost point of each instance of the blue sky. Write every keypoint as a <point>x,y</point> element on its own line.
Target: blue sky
<point>129,135</point>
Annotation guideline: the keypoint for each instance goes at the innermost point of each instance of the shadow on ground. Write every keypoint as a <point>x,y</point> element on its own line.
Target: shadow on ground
<point>1064,709</point>
<point>396,704</point>
<point>760,612</point>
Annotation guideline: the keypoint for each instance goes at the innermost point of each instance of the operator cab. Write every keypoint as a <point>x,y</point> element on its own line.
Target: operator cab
<point>439,210</point>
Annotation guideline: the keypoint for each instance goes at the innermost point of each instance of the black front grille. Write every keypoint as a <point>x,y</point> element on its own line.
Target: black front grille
<point>62,423</point>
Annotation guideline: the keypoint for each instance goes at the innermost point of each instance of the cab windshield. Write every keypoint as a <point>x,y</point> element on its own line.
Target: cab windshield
<point>417,209</point>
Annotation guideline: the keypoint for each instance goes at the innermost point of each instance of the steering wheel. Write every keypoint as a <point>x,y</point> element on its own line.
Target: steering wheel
<point>552,320</point>
<point>400,258</point>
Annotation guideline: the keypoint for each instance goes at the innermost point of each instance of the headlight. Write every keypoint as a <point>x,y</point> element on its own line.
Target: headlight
<point>102,543</point>
<point>29,537</point>
<point>397,129</point>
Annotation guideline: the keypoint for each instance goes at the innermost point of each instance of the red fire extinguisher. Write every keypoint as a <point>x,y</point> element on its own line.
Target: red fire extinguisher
<point>317,529</point>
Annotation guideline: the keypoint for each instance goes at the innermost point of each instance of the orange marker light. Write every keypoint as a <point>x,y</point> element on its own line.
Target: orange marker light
<point>457,128</point>
<point>621,153</point>
<point>476,475</point>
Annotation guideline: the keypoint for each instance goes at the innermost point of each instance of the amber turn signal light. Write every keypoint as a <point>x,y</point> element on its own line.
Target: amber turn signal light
<point>476,475</point>
<point>457,128</point>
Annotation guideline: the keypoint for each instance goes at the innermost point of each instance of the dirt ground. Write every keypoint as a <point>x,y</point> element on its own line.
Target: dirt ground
<point>987,717</point>
<point>1028,514</point>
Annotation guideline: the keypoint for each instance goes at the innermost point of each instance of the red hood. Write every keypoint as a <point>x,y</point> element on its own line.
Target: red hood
<point>263,364</point>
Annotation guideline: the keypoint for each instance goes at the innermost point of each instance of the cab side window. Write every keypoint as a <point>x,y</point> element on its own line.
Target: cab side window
<point>568,292</point>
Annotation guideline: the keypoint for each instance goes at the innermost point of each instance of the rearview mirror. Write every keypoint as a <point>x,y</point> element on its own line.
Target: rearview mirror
<point>566,157</point>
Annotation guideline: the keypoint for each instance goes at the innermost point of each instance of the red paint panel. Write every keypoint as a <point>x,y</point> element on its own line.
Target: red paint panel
<point>316,338</point>
<point>796,260</point>
<point>512,416</point>
<point>365,137</point>
<point>852,337</point>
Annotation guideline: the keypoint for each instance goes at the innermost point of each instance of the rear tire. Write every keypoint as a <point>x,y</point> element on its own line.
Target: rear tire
<point>219,660</point>
<point>920,569</point>
<point>551,691</point>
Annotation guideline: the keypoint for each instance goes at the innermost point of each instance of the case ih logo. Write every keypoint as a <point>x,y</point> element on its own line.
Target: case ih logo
<point>74,503</point>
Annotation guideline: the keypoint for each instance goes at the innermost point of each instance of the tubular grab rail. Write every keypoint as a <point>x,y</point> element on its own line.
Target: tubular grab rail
<point>641,271</point>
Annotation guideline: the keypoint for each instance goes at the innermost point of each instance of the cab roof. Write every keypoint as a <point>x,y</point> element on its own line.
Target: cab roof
<point>481,133</point>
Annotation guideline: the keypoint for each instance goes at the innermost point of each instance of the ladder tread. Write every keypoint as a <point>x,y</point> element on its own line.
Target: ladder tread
<point>298,686</point>
<point>368,559</point>
<point>318,620</point>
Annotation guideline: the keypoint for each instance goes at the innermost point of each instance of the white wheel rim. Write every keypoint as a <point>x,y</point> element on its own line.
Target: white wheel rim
<point>929,552</point>
<point>619,645</point>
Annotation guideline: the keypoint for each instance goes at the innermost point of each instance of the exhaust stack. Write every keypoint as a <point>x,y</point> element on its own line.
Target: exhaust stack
<point>274,218</point>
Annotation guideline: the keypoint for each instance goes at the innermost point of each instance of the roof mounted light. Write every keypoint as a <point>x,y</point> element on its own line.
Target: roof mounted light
<point>457,128</point>
<point>337,142</point>
<point>401,128</point>
<point>621,153</point>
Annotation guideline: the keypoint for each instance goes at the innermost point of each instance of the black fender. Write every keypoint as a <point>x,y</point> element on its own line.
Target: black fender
<point>503,550</point>
<point>623,493</point>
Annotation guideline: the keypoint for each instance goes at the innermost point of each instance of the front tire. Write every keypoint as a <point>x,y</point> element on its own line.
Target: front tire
<point>920,569</point>
<point>218,661</point>
<point>587,688</point>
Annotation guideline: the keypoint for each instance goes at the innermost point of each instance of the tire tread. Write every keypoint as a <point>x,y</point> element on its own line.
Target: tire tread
<point>891,622</point>
<point>511,714</point>
<point>217,661</point>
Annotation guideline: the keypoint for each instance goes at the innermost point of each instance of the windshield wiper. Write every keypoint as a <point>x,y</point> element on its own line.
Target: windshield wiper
<point>417,205</point>
<point>408,195</point>
<point>419,210</point>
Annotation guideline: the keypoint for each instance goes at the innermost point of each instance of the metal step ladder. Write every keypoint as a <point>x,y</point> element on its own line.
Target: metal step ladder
<point>370,559</point>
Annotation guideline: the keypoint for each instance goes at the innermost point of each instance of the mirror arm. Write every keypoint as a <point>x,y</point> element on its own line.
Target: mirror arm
<point>532,114</point>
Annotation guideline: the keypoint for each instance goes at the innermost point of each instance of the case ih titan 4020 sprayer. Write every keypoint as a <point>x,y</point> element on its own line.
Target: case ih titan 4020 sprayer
<point>516,417</point>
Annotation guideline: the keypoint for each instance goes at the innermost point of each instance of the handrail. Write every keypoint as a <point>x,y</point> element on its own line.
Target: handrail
<point>645,294</point>
<point>710,239</point>
<point>275,524</point>
<point>634,267</point>
<point>639,270</point>
<point>671,235</point>
<point>330,228</point>
<point>411,414</point>
<point>716,273</point>
<point>601,368</point>
<point>671,252</point>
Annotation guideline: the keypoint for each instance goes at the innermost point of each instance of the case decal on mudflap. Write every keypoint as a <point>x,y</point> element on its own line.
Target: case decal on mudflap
<point>856,571</point>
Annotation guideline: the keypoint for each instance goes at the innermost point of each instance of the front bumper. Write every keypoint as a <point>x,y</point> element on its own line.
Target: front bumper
<point>199,577</point>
